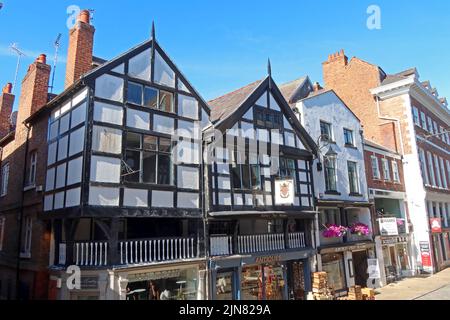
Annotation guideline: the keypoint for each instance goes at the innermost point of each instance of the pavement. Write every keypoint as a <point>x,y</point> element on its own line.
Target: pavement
<point>436,287</point>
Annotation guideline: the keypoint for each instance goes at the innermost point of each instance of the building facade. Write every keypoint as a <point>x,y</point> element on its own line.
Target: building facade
<point>24,238</point>
<point>406,115</point>
<point>123,187</point>
<point>394,242</point>
<point>344,224</point>
<point>260,214</point>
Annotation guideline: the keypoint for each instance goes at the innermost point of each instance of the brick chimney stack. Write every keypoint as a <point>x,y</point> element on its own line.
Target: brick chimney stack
<point>81,44</point>
<point>6,106</point>
<point>34,92</point>
<point>335,64</point>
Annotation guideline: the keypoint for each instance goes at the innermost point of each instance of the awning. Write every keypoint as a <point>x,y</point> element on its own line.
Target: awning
<point>264,214</point>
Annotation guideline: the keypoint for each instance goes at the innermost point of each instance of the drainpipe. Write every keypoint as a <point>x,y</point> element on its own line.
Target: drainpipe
<point>21,214</point>
<point>397,122</point>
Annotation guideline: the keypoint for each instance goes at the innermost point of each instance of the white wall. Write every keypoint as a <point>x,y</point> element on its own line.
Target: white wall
<point>329,108</point>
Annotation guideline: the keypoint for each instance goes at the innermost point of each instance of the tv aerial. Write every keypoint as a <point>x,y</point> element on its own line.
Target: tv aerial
<point>56,44</point>
<point>15,48</point>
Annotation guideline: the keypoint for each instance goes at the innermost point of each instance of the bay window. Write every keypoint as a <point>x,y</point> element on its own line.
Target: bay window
<point>246,172</point>
<point>150,97</point>
<point>148,159</point>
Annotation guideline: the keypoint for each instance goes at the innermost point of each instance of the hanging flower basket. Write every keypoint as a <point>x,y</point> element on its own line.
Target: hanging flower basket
<point>360,229</point>
<point>335,231</point>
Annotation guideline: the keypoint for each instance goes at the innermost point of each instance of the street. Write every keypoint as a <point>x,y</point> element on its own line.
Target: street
<point>436,287</point>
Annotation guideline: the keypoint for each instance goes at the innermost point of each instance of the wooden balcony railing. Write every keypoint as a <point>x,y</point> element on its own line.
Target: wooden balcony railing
<point>247,244</point>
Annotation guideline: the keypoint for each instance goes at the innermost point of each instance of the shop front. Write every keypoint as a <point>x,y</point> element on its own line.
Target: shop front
<point>174,282</point>
<point>346,266</point>
<point>283,276</point>
<point>396,258</point>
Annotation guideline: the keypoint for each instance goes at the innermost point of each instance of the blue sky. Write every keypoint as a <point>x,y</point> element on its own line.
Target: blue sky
<point>223,45</point>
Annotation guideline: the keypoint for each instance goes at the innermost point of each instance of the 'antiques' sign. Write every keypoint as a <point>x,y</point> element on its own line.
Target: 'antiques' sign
<point>388,227</point>
<point>271,259</point>
<point>284,192</point>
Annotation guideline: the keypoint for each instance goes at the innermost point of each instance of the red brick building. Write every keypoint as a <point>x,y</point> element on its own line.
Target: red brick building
<point>24,239</point>
<point>405,115</point>
<point>386,183</point>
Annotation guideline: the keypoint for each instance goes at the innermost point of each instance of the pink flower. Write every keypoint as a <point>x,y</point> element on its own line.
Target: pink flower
<point>360,229</point>
<point>334,231</point>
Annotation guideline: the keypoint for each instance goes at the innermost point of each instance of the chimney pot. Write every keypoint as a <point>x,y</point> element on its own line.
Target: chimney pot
<point>42,58</point>
<point>317,87</point>
<point>85,17</point>
<point>7,88</point>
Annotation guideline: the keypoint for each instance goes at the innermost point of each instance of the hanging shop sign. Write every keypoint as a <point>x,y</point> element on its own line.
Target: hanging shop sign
<point>436,225</point>
<point>357,247</point>
<point>89,283</point>
<point>166,274</point>
<point>425,253</point>
<point>284,192</point>
<point>394,240</point>
<point>374,269</point>
<point>388,227</point>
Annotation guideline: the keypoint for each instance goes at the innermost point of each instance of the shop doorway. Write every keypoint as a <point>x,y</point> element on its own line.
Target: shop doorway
<point>296,271</point>
<point>360,266</point>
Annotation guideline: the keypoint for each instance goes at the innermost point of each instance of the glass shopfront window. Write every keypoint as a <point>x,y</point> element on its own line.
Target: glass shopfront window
<point>224,286</point>
<point>164,285</point>
<point>263,282</point>
<point>333,265</point>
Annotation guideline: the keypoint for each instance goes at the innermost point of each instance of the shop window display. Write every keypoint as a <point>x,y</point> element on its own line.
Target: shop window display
<point>164,285</point>
<point>224,286</point>
<point>333,264</point>
<point>263,283</point>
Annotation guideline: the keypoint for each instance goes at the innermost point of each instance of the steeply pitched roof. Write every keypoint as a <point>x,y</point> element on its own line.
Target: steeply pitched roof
<point>288,89</point>
<point>228,109</point>
<point>224,106</point>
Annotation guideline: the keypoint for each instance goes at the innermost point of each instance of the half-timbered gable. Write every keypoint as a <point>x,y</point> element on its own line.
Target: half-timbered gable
<point>263,143</point>
<point>128,140</point>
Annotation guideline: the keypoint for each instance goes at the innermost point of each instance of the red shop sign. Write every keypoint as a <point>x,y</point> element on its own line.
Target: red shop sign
<point>436,225</point>
<point>426,259</point>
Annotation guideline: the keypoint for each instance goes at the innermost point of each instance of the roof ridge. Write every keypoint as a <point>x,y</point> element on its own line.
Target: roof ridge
<point>292,81</point>
<point>234,91</point>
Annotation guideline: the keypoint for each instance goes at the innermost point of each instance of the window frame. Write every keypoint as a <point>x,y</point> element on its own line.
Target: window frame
<point>375,174</point>
<point>395,171</point>
<point>31,179</point>
<point>157,152</point>
<point>4,179</point>
<point>330,127</point>
<point>357,187</point>
<point>28,235</point>
<point>352,142</point>
<point>416,116</point>
<point>328,176</point>
<point>386,169</point>
<point>2,232</point>
<point>240,169</point>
